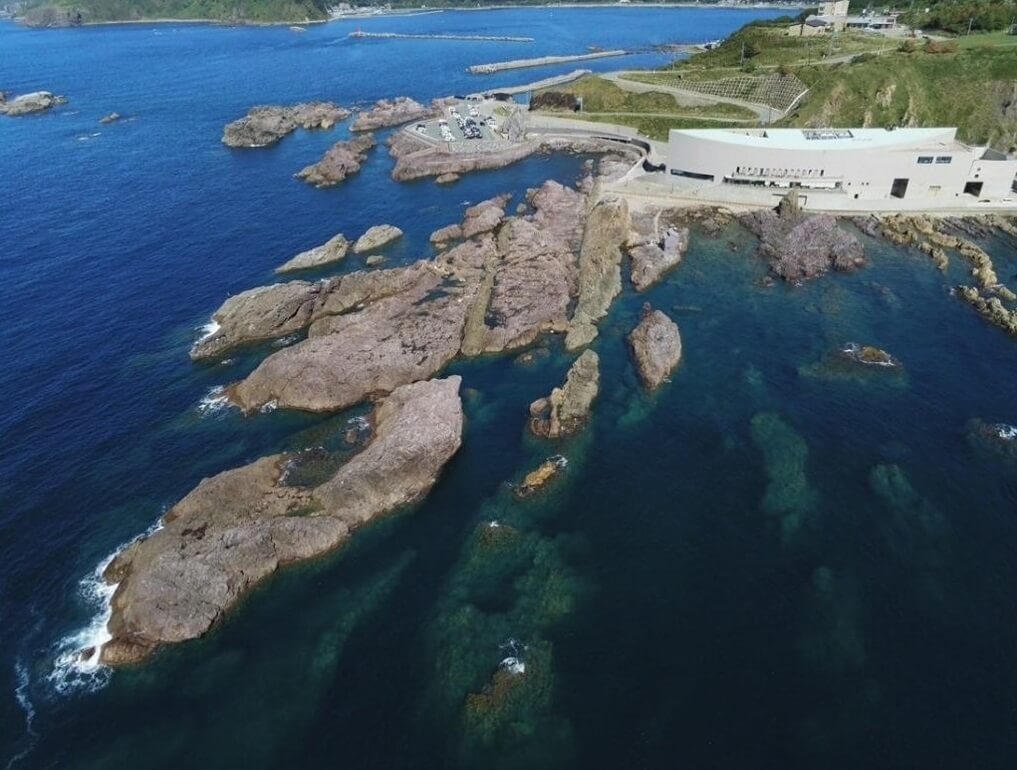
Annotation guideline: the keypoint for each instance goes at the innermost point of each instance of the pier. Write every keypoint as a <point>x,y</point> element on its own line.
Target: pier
<point>407,36</point>
<point>487,69</point>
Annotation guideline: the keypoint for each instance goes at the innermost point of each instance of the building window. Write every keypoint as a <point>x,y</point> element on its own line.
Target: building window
<point>924,160</point>
<point>943,159</point>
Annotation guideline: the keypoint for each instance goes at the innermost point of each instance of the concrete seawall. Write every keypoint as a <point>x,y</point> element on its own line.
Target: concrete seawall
<point>487,69</point>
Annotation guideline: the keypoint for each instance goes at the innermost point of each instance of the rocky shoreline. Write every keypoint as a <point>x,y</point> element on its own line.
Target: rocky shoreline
<point>265,125</point>
<point>239,526</point>
<point>342,160</point>
<point>29,104</point>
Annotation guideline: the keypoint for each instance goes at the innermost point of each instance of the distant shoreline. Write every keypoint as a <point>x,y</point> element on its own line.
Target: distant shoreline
<point>397,12</point>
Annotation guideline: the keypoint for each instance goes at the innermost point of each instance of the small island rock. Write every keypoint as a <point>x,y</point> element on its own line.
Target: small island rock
<point>331,251</point>
<point>566,410</point>
<point>342,160</point>
<point>376,237</point>
<point>26,104</point>
<point>657,347</point>
<point>266,125</point>
<point>392,112</point>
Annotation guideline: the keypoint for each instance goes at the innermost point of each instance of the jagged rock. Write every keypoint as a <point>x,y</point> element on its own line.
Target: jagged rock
<point>342,160</point>
<point>374,260</point>
<point>867,355</point>
<point>566,410</point>
<point>599,268</point>
<point>267,124</point>
<point>990,308</point>
<point>651,260</point>
<point>481,218</point>
<point>799,246</point>
<point>263,313</point>
<point>528,288</point>
<point>238,527</point>
<point>541,476</point>
<point>393,112</point>
<point>402,337</point>
<point>376,237</point>
<point>656,346</point>
<point>447,178</point>
<point>113,117</point>
<point>333,250</point>
<point>445,234</point>
<point>26,104</point>
<point>416,158</point>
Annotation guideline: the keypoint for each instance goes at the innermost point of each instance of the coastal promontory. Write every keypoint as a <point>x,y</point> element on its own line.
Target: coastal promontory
<point>238,527</point>
<point>267,124</point>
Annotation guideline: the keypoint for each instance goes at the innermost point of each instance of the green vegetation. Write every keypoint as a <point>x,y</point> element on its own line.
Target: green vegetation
<point>961,16</point>
<point>652,113</point>
<point>974,89</point>
<point>63,12</point>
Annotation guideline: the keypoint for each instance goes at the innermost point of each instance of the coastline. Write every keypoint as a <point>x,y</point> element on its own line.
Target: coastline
<point>402,12</point>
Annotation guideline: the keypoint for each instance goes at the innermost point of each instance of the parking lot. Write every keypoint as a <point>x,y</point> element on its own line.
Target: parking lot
<point>461,122</point>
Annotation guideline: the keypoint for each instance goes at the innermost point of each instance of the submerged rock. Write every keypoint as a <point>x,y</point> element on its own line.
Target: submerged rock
<point>540,476</point>
<point>342,160</point>
<point>393,112</point>
<point>113,117</point>
<point>333,250</point>
<point>238,527</point>
<point>656,346</point>
<point>376,237</point>
<point>26,104</point>
<point>789,496</point>
<point>566,410</point>
<point>800,246</point>
<point>997,437</point>
<point>267,124</point>
<point>867,355</point>
<point>447,178</point>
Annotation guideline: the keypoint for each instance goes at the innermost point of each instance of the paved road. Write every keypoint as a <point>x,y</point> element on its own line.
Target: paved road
<point>765,113</point>
<point>709,118</point>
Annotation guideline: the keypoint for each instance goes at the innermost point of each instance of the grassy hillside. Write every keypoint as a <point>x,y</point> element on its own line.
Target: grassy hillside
<point>63,12</point>
<point>974,89</point>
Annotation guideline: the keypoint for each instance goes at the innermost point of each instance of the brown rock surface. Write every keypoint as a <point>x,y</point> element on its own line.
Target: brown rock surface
<point>656,346</point>
<point>392,112</point>
<point>265,125</point>
<point>331,251</point>
<point>342,160</point>
<point>238,527</point>
<point>566,410</point>
<point>26,104</point>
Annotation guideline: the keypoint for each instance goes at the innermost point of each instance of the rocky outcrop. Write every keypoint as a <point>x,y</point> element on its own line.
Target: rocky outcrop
<point>376,237</point>
<point>416,158</point>
<point>392,112</point>
<point>567,409</point>
<point>528,288</point>
<point>263,313</point>
<point>990,308</point>
<point>541,476</point>
<point>656,346</point>
<point>352,352</point>
<point>240,526</point>
<point>868,355</point>
<point>267,124</point>
<point>651,260</point>
<point>800,246</point>
<point>342,160</point>
<point>333,250</point>
<point>26,104</point>
<point>113,117</point>
<point>607,229</point>
<point>447,178</point>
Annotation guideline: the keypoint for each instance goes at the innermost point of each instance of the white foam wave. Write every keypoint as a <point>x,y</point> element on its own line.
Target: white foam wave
<point>74,670</point>
<point>76,665</point>
<point>513,665</point>
<point>208,329</point>
<point>23,697</point>
<point>283,342</point>
<point>1006,432</point>
<point>269,406</point>
<point>213,402</point>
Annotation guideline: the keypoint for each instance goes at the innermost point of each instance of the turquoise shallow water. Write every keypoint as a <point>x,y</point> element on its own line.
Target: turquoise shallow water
<point>769,564</point>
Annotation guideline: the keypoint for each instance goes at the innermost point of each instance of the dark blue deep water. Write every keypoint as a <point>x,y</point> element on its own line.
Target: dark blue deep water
<point>770,564</point>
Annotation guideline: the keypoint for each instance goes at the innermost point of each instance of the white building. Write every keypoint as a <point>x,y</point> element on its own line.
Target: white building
<point>848,169</point>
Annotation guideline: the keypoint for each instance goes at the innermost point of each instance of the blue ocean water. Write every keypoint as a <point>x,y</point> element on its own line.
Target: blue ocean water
<point>733,573</point>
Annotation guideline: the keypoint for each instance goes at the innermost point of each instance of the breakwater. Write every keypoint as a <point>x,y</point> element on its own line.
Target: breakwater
<point>407,36</point>
<point>540,61</point>
<point>557,80</point>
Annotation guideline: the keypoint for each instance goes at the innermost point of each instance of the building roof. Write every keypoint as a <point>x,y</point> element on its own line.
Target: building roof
<point>828,138</point>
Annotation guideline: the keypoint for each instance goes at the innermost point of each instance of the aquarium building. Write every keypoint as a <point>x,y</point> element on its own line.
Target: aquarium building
<point>844,168</point>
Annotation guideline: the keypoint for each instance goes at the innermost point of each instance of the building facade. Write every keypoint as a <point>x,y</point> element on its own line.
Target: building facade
<point>916,166</point>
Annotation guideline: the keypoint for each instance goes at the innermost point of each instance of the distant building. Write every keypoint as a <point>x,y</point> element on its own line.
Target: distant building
<point>834,8</point>
<point>856,168</point>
